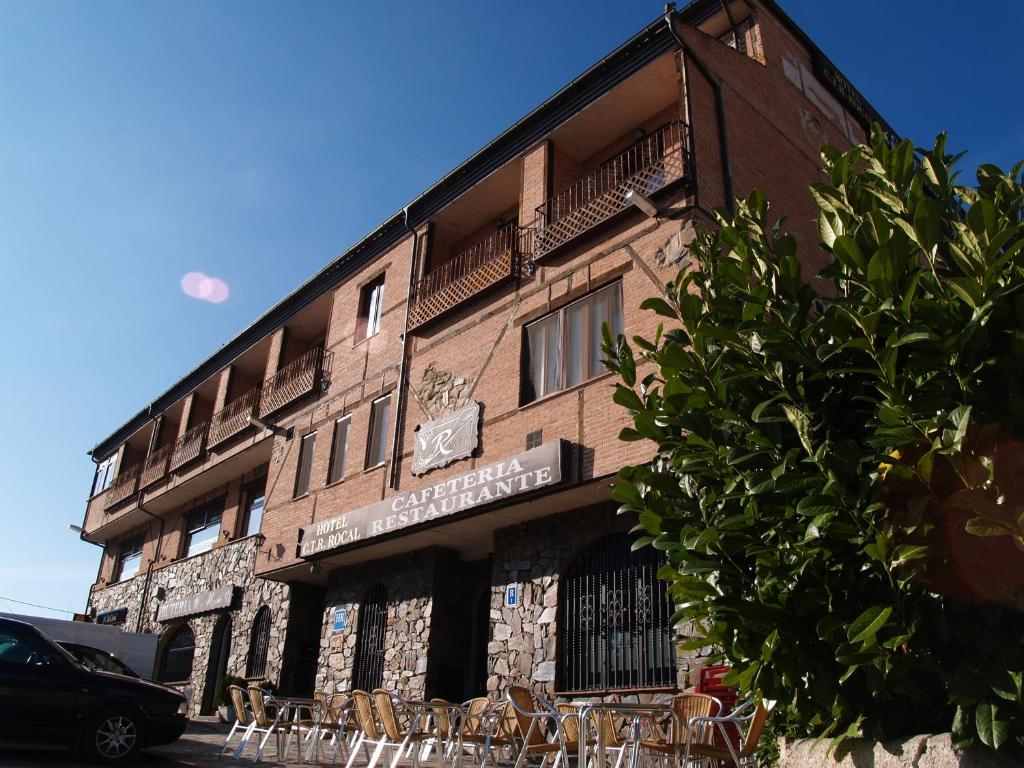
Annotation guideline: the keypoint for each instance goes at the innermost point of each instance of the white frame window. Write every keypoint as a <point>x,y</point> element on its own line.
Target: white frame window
<point>380,418</point>
<point>202,528</point>
<point>255,500</point>
<point>564,348</point>
<point>129,558</point>
<point>104,474</point>
<point>371,307</point>
<point>339,449</point>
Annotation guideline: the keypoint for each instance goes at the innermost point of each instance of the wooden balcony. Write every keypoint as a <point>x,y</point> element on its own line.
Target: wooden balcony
<point>124,486</point>
<point>300,377</point>
<point>657,160</point>
<point>189,446</point>
<point>156,466</point>
<point>233,417</point>
<point>491,261</point>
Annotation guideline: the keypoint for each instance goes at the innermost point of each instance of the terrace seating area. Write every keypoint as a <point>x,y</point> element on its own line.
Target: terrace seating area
<point>378,729</point>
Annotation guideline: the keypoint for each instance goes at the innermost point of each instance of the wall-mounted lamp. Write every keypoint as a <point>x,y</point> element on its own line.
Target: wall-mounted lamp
<point>642,202</point>
<point>315,569</point>
<point>76,528</point>
<point>256,421</point>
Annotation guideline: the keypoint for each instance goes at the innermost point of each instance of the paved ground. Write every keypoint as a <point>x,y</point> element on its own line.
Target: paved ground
<point>197,748</point>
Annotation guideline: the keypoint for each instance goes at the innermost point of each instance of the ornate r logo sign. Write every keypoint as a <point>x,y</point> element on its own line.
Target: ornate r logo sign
<point>452,437</point>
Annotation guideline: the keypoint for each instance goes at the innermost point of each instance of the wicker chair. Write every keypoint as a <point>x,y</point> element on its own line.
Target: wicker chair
<point>685,707</point>
<point>613,741</point>
<point>403,739</point>
<point>242,719</point>
<point>752,715</point>
<point>485,727</point>
<point>369,732</point>
<point>263,723</point>
<point>530,717</point>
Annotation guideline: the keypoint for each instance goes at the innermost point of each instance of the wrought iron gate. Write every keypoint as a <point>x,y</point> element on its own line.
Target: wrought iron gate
<point>615,620</point>
<point>373,620</point>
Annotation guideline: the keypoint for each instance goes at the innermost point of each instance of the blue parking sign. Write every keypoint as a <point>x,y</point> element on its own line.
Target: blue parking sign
<point>340,618</point>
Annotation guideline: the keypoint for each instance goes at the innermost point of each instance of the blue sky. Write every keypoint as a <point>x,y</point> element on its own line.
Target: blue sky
<point>255,141</point>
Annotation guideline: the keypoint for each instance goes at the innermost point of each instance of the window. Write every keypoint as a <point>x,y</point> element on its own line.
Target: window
<point>339,448</point>
<point>380,414</point>
<point>176,659</point>
<point>104,474</point>
<point>255,496</point>
<point>202,528</point>
<point>615,629</point>
<point>305,464</point>
<point>373,620</point>
<point>18,646</point>
<point>564,348</point>
<point>129,559</point>
<point>259,642</point>
<point>371,305</point>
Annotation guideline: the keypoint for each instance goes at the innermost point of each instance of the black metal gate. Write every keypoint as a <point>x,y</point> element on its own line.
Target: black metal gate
<point>615,616</point>
<point>373,620</point>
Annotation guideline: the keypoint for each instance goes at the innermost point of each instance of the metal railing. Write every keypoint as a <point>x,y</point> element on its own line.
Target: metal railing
<point>482,265</point>
<point>233,417</point>
<point>650,164</point>
<point>298,378</point>
<point>124,485</point>
<point>156,466</point>
<point>189,446</point>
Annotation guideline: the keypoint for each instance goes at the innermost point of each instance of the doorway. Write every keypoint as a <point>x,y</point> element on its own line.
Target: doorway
<point>220,649</point>
<point>302,639</point>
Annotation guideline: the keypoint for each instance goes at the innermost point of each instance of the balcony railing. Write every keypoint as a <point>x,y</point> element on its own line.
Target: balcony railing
<point>652,163</point>
<point>156,466</point>
<point>125,485</point>
<point>298,378</point>
<point>233,417</point>
<point>485,264</point>
<point>189,446</point>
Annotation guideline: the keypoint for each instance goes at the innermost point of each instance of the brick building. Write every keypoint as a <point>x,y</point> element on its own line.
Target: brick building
<point>400,474</point>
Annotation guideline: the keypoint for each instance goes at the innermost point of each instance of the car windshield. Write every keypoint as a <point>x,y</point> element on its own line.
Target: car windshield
<point>97,660</point>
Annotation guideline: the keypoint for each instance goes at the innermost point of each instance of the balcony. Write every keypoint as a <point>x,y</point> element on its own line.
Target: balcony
<point>484,265</point>
<point>156,466</point>
<point>124,486</point>
<point>651,164</point>
<point>233,417</point>
<point>300,377</point>
<point>189,446</point>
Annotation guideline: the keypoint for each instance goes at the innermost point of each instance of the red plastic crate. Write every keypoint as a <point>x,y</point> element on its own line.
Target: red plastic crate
<point>710,682</point>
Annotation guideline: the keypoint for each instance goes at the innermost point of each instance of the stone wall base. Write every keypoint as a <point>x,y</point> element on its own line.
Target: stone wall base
<point>934,751</point>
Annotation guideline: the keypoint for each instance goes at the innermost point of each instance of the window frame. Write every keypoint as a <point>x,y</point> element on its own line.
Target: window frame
<point>139,541</point>
<point>304,477</point>
<point>563,355</point>
<point>216,506</point>
<point>106,470</point>
<point>250,492</point>
<point>372,433</point>
<point>166,650</point>
<point>370,309</point>
<point>332,464</point>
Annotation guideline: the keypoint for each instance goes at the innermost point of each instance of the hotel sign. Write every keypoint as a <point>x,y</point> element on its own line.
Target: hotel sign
<point>850,97</point>
<point>452,437</point>
<point>198,602</point>
<point>522,473</point>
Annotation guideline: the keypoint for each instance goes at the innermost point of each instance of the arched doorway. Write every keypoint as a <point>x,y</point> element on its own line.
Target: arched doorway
<point>176,656</point>
<point>615,629</point>
<point>373,620</point>
<point>217,667</point>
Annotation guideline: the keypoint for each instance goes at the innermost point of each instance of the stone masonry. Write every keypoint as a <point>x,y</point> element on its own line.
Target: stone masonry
<point>228,564</point>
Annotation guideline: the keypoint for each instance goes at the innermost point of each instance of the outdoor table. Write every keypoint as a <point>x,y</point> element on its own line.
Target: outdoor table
<point>424,711</point>
<point>294,704</point>
<point>638,711</point>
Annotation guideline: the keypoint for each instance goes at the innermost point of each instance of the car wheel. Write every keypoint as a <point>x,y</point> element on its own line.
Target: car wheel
<point>113,736</point>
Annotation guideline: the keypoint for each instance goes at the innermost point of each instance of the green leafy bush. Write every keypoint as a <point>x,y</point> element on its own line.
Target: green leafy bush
<point>838,480</point>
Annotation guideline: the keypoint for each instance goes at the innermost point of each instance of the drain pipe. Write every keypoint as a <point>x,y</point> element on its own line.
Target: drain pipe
<point>402,365</point>
<point>149,568</point>
<point>716,85</point>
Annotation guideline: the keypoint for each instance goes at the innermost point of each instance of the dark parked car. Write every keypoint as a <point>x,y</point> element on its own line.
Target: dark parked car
<point>47,697</point>
<point>96,659</point>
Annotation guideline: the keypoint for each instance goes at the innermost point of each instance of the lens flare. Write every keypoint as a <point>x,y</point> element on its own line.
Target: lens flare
<point>196,285</point>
